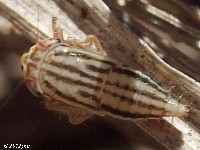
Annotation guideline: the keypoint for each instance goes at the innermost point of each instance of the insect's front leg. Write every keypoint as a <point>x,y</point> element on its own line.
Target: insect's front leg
<point>88,43</point>
<point>75,115</point>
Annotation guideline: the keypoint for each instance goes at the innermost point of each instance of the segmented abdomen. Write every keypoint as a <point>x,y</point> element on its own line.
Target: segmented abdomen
<point>91,81</point>
<point>130,94</point>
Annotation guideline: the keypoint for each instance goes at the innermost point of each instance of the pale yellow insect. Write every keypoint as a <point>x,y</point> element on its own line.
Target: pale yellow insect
<point>75,79</point>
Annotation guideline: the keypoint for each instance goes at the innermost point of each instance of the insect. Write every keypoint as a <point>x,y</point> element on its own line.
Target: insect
<point>79,79</point>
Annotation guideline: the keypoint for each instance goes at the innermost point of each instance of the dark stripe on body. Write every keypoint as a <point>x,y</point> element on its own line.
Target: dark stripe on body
<point>134,90</point>
<point>82,55</point>
<point>68,98</point>
<point>137,76</point>
<point>132,101</point>
<point>73,69</point>
<point>127,114</point>
<point>89,96</point>
<point>93,97</point>
<point>72,81</point>
<point>98,69</point>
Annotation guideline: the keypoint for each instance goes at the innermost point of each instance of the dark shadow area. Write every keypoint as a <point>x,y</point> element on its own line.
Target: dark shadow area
<point>24,120</point>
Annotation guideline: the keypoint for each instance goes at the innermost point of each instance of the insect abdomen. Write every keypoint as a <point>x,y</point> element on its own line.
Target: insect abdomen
<point>128,94</point>
<point>93,82</point>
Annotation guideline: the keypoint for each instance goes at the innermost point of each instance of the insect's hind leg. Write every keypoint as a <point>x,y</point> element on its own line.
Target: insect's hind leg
<point>76,116</point>
<point>90,41</point>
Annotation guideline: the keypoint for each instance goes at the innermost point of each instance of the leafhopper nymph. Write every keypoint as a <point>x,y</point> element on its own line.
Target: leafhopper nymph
<point>75,79</point>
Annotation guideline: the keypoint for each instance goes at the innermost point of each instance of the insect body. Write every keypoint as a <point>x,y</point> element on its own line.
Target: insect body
<point>75,79</point>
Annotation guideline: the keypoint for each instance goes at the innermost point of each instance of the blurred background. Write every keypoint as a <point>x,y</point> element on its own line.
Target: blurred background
<point>23,118</point>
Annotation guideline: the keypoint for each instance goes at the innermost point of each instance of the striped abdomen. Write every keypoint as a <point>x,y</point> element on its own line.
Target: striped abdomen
<point>100,85</point>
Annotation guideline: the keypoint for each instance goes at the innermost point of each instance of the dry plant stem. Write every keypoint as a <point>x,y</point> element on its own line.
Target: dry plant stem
<point>94,17</point>
<point>175,40</point>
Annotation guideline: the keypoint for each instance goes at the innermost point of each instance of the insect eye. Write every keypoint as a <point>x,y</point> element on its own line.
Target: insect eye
<point>38,94</point>
<point>22,67</point>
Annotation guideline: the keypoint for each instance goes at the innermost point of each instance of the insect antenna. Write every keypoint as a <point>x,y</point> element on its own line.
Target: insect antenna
<point>38,19</point>
<point>57,31</point>
<point>11,95</point>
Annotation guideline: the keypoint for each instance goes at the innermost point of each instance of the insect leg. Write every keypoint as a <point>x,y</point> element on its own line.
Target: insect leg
<point>90,41</point>
<point>75,115</point>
